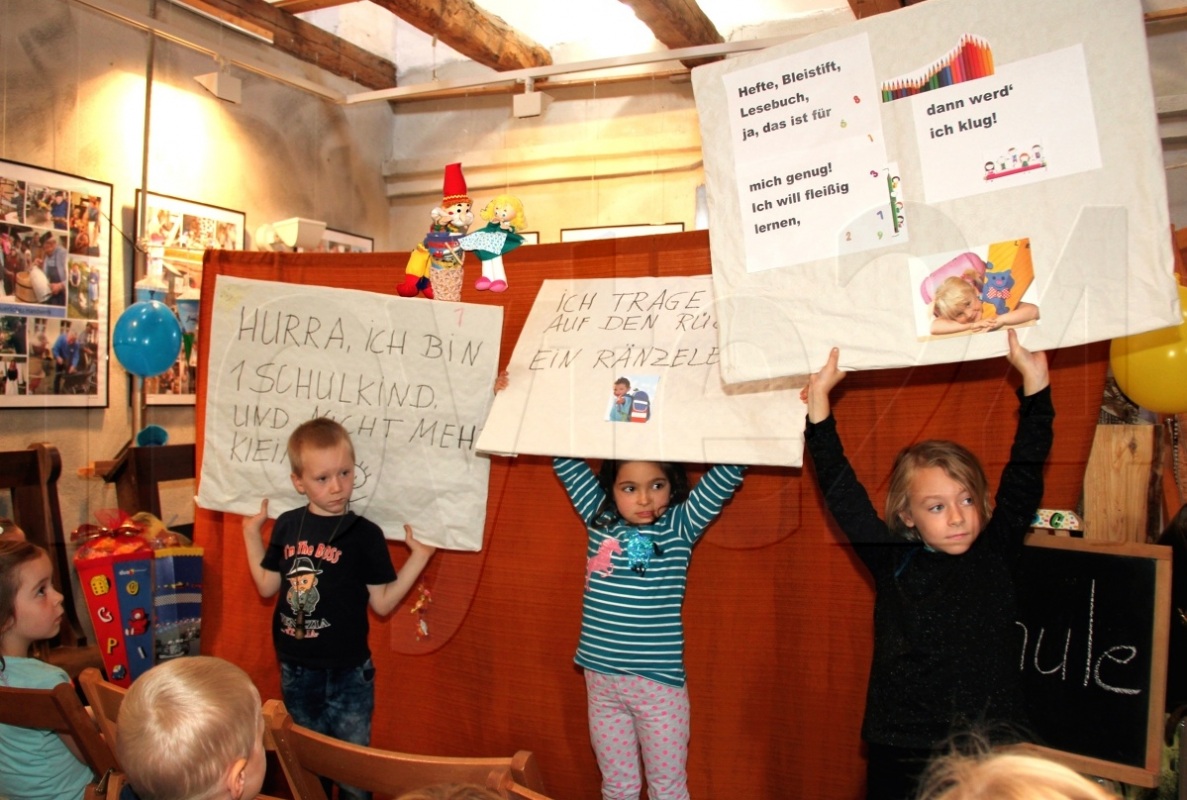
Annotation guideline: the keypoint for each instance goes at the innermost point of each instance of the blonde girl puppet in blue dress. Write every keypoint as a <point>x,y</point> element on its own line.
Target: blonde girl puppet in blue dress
<point>504,216</point>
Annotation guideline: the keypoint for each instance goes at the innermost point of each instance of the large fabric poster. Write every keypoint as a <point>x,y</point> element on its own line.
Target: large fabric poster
<point>411,381</point>
<point>909,186</point>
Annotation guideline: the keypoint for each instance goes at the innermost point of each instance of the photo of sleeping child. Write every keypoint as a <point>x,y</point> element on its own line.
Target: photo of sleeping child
<point>632,398</point>
<point>974,291</point>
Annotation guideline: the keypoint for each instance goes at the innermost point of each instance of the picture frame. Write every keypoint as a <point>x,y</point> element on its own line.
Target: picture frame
<point>618,231</point>
<point>176,234</point>
<point>335,241</point>
<point>55,288</point>
<point>530,237</point>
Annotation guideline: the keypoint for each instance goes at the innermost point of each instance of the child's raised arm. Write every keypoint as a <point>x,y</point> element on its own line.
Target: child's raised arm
<point>267,581</point>
<point>385,597</point>
<point>815,394</point>
<point>1031,366</point>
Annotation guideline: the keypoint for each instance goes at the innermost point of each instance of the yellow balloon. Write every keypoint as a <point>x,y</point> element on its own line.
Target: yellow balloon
<point>1151,368</point>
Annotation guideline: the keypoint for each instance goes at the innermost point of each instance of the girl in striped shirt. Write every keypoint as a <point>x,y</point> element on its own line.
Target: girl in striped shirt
<point>642,522</point>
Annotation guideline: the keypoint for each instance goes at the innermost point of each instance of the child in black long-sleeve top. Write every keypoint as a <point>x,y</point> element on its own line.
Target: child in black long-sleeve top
<point>944,568</point>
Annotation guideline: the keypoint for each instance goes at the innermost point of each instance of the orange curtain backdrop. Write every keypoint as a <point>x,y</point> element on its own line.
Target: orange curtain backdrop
<point>778,613</point>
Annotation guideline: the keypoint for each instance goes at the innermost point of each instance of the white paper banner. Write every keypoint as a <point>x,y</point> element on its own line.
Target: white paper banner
<point>410,379</point>
<point>970,124</point>
<point>655,339</point>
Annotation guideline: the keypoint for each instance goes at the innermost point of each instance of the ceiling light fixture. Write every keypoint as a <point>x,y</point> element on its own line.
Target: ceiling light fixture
<point>288,235</point>
<point>531,103</point>
<point>221,83</point>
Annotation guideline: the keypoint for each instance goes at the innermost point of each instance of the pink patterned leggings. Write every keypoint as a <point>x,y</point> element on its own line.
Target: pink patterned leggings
<point>629,714</point>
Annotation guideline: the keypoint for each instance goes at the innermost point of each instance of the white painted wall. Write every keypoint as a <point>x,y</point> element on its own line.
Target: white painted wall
<point>613,155</point>
<point>1167,43</point>
<point>72,99</point>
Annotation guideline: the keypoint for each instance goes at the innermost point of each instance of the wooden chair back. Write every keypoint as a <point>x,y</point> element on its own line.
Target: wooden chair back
<point>306,756</point>
<point>139,472</point>
<point>31,478</point>
<point>104,698</point>
<point>108,787</point>
<point>59,710</point>
<point>511,789</point>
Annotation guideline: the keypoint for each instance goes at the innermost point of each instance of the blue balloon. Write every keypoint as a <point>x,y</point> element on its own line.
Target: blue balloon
<point>147,338</point>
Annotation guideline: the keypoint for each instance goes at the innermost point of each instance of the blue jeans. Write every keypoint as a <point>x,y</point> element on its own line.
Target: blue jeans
<point>335,702</point>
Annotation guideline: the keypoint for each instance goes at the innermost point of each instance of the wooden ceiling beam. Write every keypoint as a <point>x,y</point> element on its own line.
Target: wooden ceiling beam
<point>304,41</point>
<point>676,24</point>
<point>474,33</point>
<point>301,6</point>
<point>868,8</point>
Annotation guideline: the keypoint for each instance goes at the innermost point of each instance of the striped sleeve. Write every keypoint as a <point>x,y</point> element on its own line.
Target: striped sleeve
<point>585,493</point>
<point>706,501</point>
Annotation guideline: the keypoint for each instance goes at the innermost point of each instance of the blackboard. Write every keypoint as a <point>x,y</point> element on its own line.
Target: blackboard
<point>1093,623</point>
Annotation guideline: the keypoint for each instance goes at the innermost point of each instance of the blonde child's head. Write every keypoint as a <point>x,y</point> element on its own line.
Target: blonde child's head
<point>958,300</point>
<point>191,729</point>
<point>1006,776</point>
<point>957,462</point>
<point>320,433</point>
<point>323,465</point>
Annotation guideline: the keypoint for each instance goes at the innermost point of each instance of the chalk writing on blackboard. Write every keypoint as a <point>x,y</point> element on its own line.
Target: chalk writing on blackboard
<point>1035,657</point>
<point>1093,622</point>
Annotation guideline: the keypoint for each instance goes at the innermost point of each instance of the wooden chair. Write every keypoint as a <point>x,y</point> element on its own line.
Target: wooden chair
<point>138,473</point>
<point>511,789</point>
<point>108,787</point>
<point>31,478</point>
<point>306,756</point>
<point>105,698</point>
<point>59,710</point>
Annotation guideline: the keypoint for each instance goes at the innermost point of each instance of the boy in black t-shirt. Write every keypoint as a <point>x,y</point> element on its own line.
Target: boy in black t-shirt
<point>335,564</point>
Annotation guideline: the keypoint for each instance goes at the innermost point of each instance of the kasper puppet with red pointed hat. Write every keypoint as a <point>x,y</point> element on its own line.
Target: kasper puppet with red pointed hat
<point>439,254</point>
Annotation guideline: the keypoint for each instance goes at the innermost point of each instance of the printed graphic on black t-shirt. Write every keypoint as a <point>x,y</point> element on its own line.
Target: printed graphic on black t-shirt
<point>303,594</point>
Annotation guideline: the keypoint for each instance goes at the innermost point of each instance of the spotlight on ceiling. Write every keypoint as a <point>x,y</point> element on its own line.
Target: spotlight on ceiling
<point>531,103</point>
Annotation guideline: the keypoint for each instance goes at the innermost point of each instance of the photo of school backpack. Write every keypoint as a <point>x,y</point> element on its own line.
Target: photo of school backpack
<point>640,406</point>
